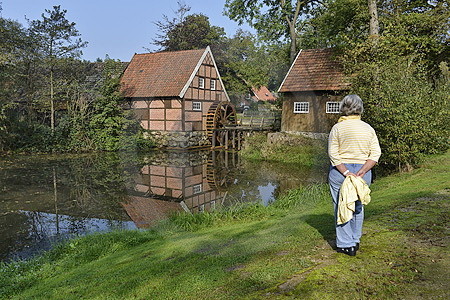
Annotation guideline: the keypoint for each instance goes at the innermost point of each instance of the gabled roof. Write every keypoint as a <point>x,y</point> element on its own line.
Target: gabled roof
<point>314,70</point>
<point>161,74</point>
<point>263,94</point>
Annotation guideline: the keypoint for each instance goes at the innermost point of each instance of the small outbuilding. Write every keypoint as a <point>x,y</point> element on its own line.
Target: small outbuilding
<point>177,96</point>
<point>263,94</point>
<point>311,92</point>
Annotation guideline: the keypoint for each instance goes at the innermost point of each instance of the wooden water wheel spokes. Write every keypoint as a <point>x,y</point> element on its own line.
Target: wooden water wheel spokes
<point>221,114</point>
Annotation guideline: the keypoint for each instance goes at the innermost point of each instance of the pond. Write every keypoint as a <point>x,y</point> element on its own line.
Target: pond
<point>47,198</point>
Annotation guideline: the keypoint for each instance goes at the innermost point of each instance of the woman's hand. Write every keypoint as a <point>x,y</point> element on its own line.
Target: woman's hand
<point>366,167</point>
<point>344,171</point>
<point>360,173</point>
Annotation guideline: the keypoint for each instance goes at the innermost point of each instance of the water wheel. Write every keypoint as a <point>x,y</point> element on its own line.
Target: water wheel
<point>221,114</point>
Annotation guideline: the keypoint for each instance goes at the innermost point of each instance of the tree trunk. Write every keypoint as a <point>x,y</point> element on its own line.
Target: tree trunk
<point>55,197</point>
<point>292,23</point>
<point>293,51</point>
<point>373,23</point>
<point>52,104</point>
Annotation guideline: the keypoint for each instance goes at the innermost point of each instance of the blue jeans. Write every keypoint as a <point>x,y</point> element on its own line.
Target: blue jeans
<point>347,234</point>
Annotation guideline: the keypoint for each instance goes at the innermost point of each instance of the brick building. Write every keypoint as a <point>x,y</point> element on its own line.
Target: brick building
<point>312,90</point>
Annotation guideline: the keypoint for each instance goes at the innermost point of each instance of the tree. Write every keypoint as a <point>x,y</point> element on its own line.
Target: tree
<point>409,112</point>
<point>405,27</point>
<point>373,23</point>
<point>404,80</point>
<point>15,49</point>
<point>111,127</point>
<point>398,71</point>
<point>187,32</point>
<point>272,19</point>
<point>338,24</point>
<point>55,34</point>
<point>245,63</point>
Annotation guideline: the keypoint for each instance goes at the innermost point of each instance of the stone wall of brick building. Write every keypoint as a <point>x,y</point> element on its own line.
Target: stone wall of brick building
<point>179,139</point>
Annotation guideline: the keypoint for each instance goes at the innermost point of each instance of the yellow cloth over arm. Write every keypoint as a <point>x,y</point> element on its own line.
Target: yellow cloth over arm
<point>352,189</point>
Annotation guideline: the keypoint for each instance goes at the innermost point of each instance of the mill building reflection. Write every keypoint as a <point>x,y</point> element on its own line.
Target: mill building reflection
<point>180,183</point>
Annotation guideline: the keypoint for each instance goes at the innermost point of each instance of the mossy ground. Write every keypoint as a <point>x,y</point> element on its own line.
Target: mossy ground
<point>255,252</point>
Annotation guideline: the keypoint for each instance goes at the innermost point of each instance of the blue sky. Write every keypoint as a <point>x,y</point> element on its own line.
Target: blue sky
<point>118,28</point>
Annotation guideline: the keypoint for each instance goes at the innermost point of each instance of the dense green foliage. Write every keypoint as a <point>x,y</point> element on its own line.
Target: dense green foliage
<point>243,61</point>
<point>50,100</point>
<point>401,75</point>
<point>186,32</point>
<point>409,113</point>
<point>111,127</point>
<point>273,20</point>
<point>192,32</point>
<point>403,78</point>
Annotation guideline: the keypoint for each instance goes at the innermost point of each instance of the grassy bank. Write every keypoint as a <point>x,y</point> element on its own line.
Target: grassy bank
<point>300,150</point>
<point>254,252</point>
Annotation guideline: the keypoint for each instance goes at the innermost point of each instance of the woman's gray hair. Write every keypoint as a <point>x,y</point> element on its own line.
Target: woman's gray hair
<point>351,105</point>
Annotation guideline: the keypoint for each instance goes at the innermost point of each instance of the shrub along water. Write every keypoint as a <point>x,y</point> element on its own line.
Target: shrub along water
<point>93,120</point>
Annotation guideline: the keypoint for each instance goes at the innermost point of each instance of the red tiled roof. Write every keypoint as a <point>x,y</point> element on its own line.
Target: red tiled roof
<point>263,94</point>
<point>315,70</point>
<point>161,74</point>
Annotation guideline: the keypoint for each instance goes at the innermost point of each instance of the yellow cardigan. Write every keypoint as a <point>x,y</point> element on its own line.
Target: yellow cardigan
<point>352,189</point>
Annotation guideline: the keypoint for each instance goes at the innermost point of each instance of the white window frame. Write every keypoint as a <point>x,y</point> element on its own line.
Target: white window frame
<point>332,107</point>
<point>197,189</point>
<point>201,83</point>
<point>197,106</point>
<point>301,107</point>
<point>213,84</point>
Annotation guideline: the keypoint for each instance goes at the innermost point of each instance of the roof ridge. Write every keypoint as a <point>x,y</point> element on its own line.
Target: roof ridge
<point>165,52</point>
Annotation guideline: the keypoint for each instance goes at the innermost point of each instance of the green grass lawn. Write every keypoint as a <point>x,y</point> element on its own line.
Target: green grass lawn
<point>255,252</point>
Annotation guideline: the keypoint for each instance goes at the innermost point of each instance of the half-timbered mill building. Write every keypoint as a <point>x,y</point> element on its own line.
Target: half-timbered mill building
<point>177,96</point>
<point>312,90</point>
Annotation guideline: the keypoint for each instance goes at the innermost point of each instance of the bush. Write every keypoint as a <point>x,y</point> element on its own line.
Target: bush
<point>409,112</point>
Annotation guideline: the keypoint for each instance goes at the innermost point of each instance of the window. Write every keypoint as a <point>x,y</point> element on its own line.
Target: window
<point>201,83</point>
<point>213,84</point>
<point>196,189</point>
<point>197,106</point>
<point>332,108</point>
<point>301,107</point>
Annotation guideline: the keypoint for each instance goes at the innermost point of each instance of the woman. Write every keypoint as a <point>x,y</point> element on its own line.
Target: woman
<point>353,149</point>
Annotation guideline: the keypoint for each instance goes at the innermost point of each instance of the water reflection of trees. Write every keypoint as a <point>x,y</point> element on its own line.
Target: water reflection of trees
<point>96,184</point>
<point>52,196</point>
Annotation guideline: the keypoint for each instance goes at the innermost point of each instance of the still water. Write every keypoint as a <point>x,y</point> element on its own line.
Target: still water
<point>44,199</point>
